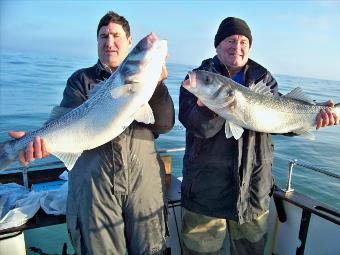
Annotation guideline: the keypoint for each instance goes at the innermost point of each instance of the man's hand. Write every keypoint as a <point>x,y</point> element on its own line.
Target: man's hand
<point>199,103</point>
<point>35,149</point>
<point>326,117</point>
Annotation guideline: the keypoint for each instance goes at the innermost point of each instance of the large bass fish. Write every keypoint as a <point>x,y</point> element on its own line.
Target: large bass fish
<point>111,107</point>
<point>254,108</point>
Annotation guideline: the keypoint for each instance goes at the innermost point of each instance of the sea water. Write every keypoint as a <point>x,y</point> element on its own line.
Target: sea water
<point>31,85</point>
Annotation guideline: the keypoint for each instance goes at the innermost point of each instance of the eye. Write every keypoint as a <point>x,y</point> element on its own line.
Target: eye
<point>103,36</point>
<point>208,80</point>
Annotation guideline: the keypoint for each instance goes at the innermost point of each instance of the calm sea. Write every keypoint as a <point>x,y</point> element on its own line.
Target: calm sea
<point>31,85</point>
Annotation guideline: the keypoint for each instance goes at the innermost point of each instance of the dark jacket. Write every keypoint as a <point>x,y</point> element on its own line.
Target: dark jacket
<point>76,92</point>
<point>223,177</point>
<point>122,169</point>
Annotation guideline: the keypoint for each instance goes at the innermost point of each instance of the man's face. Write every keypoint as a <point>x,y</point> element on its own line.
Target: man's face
<point>113,45</point>
<point>233,51</point>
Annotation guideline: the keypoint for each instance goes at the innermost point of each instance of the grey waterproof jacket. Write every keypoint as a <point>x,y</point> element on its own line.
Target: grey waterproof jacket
<point>223,177</point>
<point>116,191</point>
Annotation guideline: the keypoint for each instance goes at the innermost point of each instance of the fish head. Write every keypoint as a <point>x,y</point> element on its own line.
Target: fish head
<point>144,62</point>
<point>209,87</point>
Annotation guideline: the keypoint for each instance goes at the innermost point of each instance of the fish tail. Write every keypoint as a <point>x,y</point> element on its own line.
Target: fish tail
<point>7,154</point>
<point>336,109</point>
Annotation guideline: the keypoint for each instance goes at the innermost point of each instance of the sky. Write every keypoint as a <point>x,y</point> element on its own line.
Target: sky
<point>297,38</point>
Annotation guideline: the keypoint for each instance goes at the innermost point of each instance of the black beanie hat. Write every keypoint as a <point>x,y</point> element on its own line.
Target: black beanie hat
<point>232,26</point>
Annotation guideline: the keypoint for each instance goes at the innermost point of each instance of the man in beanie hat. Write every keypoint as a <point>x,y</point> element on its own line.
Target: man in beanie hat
<point>227,183</point>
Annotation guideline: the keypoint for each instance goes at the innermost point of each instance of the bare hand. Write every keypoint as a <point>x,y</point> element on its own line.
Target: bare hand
<point>199,103</point>
<point>326,117</point>
<point>35,149</point>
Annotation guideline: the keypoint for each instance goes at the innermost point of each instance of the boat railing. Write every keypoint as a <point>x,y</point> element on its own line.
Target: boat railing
<point>57,164</point>
<point>291,164</point>
<point>162,151</point>
<point>296,162</point>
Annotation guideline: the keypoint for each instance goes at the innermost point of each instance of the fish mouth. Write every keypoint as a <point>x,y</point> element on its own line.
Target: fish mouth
<point>154,41</point>
<point>151,38</point>
<point>162,44</point>
<point>190,83</point>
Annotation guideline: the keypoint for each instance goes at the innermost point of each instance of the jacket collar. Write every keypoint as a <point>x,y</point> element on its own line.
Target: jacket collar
<point>252,70</point>
<point>102,70</point>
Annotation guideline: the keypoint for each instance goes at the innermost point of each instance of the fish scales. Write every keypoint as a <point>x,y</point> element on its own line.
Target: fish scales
<point>111,107</point>
<point>254,108</point>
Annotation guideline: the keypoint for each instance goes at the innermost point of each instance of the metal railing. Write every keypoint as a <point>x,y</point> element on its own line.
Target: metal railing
<point>59,163</point>
<point>55,164</point>
<point>306,165</point>
<point>291,165</point>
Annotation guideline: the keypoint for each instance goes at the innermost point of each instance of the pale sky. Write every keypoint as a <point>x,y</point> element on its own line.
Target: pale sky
<point>299,38</point>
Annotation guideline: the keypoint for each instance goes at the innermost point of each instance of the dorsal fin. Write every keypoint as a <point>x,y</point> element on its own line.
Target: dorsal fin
<point>57,112</point>
<point>261,88</point>
<point>298,94</point>
<point>305,133</point>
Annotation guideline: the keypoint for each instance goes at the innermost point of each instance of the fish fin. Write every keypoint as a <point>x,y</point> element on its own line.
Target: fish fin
<point>233,130</point>
<point>7,155</point>
<point>123,90</point>
<point>336,109</point>
<point>145,114</point>
<point>236,130</point>
<point>69,159</point>
<point>305,134</point>
<point>127,123</point>
<point>95,88</point>
<point>57,112</point>
<point>227,130</point>
<point>261,88</point>
<point>298,94</point>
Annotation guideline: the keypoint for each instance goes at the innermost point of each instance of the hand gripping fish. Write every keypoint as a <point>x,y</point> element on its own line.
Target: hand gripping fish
<point>112,106</point>
<point>254,108</point>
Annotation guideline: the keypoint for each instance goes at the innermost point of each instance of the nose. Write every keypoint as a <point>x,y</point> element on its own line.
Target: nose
<point>109,41</point>
<point>236,45</point>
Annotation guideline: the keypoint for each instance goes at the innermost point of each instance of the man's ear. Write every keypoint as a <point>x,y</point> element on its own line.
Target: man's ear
<point>130,41</point>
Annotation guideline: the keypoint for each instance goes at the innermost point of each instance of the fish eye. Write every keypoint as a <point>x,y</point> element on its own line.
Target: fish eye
<point>207,79</point>
<point>138,48</point>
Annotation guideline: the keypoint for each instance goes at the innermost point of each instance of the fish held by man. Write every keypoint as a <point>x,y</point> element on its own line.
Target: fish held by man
<point>112,106</point>
<point>255,107</point>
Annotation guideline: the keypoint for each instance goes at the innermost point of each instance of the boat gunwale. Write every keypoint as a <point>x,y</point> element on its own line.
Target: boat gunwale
<point>41,219</point>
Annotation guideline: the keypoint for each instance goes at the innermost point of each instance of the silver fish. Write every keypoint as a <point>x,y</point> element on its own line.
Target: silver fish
<point>112,106</point>
<point>255,108</point>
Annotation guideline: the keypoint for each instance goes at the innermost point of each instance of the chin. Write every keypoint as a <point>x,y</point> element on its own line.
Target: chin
<point>113,63</point>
